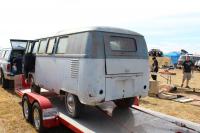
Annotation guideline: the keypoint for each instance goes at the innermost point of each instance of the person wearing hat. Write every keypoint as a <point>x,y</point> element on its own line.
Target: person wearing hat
<point>154,68</point>
<point>187,71</point>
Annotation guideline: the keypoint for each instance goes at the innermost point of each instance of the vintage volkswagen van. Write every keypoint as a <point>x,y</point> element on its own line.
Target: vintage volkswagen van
<point>93,65</point>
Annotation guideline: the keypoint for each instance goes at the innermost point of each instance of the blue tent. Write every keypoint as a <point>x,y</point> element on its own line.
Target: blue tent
<point>174,56</point>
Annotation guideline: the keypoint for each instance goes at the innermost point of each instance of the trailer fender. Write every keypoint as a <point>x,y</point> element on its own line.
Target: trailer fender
<point>49,114</point>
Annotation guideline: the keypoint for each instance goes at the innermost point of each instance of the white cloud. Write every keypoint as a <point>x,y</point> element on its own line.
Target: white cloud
<point>36,18</point>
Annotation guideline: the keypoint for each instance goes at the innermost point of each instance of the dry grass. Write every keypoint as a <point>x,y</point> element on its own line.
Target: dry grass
<point>11,118</point>
<point>12,121</point>
<point>180,110</point>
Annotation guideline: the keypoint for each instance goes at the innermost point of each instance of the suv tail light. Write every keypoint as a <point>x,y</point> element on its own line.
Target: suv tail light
<point>8,67</point>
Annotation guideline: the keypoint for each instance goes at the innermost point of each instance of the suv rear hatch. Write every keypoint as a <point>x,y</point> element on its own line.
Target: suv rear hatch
<point>17,53</point>
<point>18,43</point>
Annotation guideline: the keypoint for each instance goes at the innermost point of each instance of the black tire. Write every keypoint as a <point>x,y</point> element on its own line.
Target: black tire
<point>124,103</point>
<point>26,106</point>
<point>35,88</point>
<point>73,110</point>
<point>5,82</point>
<point>37,118</point>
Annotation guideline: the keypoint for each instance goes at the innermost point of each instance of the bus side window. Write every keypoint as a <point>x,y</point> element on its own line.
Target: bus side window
<point>27,47</point>
<point>30,47</point>
<point>35,49</point>
<point>51,46</point>
<point>42,47</point>
<point>62,45</point>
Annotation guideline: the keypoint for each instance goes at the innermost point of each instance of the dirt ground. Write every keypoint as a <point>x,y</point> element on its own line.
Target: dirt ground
<point>12,121</point>
<point>187,111</point>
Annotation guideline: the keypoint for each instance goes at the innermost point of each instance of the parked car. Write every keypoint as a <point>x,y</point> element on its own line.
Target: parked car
<point>10,57</point>
<point>182,58</point>
<point>156,52</point>
<point>91,66</point>
<point>197,65</point>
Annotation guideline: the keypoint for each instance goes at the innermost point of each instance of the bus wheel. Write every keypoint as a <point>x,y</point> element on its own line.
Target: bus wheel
<point>73,105</point>
<point>26,109</point>
<point>124,103</point>
<point>37,117</point>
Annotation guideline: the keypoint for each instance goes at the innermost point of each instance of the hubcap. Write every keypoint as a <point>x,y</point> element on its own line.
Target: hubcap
<point>26,111</point>
<point>70,103</point>
<point>36,117</point>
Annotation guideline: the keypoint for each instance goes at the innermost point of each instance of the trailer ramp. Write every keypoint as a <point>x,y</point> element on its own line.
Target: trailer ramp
<point>109,119</point>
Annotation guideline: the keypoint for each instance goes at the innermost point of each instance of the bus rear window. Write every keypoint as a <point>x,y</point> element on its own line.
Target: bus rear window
<point>122,44</point>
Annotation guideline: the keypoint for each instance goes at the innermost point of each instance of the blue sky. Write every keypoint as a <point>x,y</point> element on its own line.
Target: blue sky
<point>169,25</point>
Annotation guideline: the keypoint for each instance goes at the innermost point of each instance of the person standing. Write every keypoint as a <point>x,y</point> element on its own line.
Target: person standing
<point>154,68</point>
<point>187,71</point>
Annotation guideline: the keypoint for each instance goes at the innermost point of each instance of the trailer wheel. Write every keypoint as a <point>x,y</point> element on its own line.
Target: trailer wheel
<point>124,103</point>
<point>73,105</point>
<point>37,117</point>
<point>26,109</point>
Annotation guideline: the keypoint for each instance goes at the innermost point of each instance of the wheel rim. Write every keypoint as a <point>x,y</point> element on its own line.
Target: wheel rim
<point>36,117</point>
<point>70,103</point>
<point>26,110</point>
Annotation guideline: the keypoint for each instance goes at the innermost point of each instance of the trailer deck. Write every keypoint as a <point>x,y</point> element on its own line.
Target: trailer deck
<point>109,119</point>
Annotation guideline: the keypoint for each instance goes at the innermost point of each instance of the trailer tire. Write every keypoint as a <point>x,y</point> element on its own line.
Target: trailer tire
<point>37,117</point>
<point>124,103</point>
<point>73,105</point>
<point>26,106</point>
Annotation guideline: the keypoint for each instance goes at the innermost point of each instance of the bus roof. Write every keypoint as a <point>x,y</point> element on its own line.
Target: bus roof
<point>103,29</point>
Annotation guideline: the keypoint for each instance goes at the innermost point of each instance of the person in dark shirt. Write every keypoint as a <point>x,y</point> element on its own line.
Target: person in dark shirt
<point>17,65</point>
<point>187,71</point>
<point>154,68</point>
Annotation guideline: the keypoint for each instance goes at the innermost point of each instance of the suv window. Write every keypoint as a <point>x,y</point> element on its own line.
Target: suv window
<point>35,49</point>
<point>7,55</point>
<point>62,45</point>
<point>42,47</point>
<point>50,46</point>
<point>3,53</point>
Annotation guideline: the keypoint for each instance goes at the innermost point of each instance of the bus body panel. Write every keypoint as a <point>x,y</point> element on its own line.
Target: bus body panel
<point>131,78</point>
<point>95,72</point>
<point>54,74</point>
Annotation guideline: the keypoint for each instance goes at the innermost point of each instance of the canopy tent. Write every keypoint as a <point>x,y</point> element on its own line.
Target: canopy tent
<point>174,56</point>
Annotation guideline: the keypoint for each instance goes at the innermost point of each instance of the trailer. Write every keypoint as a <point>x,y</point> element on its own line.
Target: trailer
<point>46,110</point>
